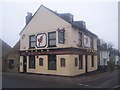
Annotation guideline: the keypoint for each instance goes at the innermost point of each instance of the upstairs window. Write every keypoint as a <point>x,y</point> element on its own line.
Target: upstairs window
<point>61,36</point>
<point>32,41</point>
<point>79,39</point>
<point>91,42</point>
<point>52,39</point>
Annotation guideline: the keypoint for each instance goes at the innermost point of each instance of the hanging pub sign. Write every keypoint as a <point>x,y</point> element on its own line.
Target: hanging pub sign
<point>41,40</point>
<point>61,36</point>
<point>86,41</point>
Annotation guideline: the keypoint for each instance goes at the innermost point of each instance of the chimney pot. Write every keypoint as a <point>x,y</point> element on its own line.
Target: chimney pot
<point>28,17</point>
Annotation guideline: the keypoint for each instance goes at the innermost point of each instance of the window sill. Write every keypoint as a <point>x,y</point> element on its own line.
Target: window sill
<point>51,46</point>
<point>52,69</point>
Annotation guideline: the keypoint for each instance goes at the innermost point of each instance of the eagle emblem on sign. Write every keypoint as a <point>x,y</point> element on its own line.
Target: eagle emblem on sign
<point>41,40</point>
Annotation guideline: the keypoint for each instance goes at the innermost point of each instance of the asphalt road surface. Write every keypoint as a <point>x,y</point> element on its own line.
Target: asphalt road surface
<point>13,81</point>
<point>16,80</point>
<point>109,81</point>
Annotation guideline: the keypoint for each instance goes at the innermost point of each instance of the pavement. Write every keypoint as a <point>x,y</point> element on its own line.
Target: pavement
<point>82,78</point>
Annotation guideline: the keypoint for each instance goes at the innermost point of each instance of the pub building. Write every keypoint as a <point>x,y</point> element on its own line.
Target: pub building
<point>53,43</point>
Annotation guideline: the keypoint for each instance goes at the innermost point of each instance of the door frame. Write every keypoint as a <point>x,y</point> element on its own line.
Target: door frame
<point>86,63</point>
<point>24,64</point>
<point>54,58</point>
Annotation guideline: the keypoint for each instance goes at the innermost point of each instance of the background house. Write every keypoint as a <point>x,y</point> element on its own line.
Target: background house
<point>5,48</point>
<point>106,53</point>
<point>114,55</point>
<point>12,59</point>
<point>103,53</point>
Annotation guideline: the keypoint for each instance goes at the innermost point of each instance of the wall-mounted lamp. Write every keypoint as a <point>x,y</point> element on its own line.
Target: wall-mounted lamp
<point>37,56</point>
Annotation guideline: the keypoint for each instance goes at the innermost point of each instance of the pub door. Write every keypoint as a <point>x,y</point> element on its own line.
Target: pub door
<point>24,64</point>
<point>86,63</point>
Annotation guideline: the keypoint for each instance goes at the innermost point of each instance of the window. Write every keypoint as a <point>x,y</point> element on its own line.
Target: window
<point>79,39</point>
<point>104,61</point>
<point>11,64</point>
<point>91,42</point>
<point>61,36</point>
<point>32,62</point>
<point>76,61</point>
<point>52,39</point>
<point>80,62</point>
<point>92,62</point>
<point>41,61</point>
<point>62,61</point>
<point>32,41</point>
<point>87,41</point>
<point>51,62</point>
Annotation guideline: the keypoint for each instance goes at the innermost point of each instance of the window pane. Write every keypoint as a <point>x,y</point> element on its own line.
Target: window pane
<point>32,41</point>
<point>32,38</point>
<point>52,42</point>
<point>80,35</point>
<point>52,35</point>
<point>91,39</point>
<point>32,62</point>
<point>62,60</point>
<point>41,61</point>
<point>11,64</point>
<point>92,62</point>
<point>80,62</point>
<point>32,44</point>
<point>76,61</point>
<point>61,36</point>
<point>80,39</point>
<point>80,43</point>
<point>52,39</point>
<point>52,62</point>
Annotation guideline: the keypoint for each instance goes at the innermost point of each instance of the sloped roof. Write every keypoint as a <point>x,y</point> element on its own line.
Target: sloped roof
<point>16,48</point>
<point>5,48</point>
<point>72,23</point>
<point>101,47</point>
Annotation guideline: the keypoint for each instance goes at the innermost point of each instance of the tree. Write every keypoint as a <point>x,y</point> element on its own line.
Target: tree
<point>110,45</point>
<point>111,65</point>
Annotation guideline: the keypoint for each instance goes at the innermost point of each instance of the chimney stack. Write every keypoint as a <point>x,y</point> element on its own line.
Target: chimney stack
<point>67,16</point>
<point>28,17</point>
<point>81,23</point>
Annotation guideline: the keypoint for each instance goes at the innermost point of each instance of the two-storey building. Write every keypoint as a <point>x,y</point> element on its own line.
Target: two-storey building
<point>53,43</point>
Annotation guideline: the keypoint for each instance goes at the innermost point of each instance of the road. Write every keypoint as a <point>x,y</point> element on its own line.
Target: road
<point>109,81</point>
<point>34,82</point>
<point>12,80</point>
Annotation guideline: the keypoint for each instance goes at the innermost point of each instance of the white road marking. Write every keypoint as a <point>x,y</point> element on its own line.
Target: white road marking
<point>82,84</point>
<point>116,86</point>
<point>86,85</point>
<point>79,84</point>
<point>95,87</point>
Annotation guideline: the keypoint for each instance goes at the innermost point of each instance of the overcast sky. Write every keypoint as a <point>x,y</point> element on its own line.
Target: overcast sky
<point>101,16</point>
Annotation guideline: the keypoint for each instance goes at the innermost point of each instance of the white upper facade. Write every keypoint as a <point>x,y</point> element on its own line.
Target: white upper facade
<point>45,26</point>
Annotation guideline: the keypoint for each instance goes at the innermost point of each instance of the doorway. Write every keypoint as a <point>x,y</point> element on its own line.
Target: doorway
<point>24,64</point>
<point>86,63</point>
<point>51,62</point>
